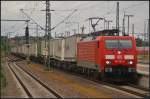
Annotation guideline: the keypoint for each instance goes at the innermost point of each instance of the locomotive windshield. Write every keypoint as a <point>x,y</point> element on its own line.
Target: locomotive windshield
<point>120,44</point>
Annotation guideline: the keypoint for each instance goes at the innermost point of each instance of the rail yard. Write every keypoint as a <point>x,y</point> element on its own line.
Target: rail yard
<point>57,60</point>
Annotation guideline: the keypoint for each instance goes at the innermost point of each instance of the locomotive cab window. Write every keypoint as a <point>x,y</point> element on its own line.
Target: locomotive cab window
<point>125,43</point>
<point>118,44</point>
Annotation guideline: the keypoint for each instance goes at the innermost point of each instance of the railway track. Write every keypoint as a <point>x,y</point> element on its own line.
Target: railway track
<point>135,90</point>
<point>27,92</point>
<point>138,87</point>
<point>128,88</point>
<point>32,86</point>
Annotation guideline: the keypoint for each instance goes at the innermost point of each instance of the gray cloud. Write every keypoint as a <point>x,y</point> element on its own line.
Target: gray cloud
<point>86,9</point>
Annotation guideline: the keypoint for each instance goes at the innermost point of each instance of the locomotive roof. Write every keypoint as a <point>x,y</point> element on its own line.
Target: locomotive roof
<point>89,38</point>
<point>112,32</point>
<point>115,36</point>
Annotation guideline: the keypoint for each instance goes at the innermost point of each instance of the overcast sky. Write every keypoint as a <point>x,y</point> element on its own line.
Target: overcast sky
<point>85,9</point>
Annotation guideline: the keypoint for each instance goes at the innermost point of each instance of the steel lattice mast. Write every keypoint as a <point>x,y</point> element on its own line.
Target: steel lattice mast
<point>48,32</point>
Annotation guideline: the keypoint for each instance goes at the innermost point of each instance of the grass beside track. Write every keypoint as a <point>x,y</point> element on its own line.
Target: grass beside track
<point>5,50</point>
<point>2,76</point>
<point>78,87</point>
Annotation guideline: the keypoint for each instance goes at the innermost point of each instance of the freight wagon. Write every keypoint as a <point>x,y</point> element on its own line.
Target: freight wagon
<point>59,49</point>
<point>112,57</point>
<point>71,47</point>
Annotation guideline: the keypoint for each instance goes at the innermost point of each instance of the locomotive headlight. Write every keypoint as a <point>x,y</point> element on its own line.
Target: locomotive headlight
<point>109,57</point>
<point>128,57</point>
<point>108,62</point>
<point>130,62</point>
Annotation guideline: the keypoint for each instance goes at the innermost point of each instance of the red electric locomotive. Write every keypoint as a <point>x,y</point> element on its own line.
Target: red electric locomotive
<point>113,57</point>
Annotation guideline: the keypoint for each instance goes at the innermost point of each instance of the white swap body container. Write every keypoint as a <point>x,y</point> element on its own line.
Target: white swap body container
<point>44,50</point>
<point>19,49</point>
<point>71,47</point>
<point>58,49</point>
<point>23,49</point>
<point>15,50</point>
<point>51,43</point>
<point>33,49</point>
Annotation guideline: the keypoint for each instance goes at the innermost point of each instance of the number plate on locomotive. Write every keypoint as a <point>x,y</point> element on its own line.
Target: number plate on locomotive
<point>119,56</point>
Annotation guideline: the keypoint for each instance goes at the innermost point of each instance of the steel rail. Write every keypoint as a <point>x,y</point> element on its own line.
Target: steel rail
<point>109,84</point>
<point>138,87</point>
<point>21,83</point>
<point>44,85</point>
<point>124,89</point>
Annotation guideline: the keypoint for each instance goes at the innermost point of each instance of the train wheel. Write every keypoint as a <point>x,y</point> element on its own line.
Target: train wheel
<point>102,76</point>
<point>134,79</point>
<point>96,75</point>
<point>88,73</point>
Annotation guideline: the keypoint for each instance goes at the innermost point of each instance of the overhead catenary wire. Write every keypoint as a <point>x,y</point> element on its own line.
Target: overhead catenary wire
<point>129,7</point>
<point>32,19</point>
<point>42,3</point>
<point>55,25</point>
<point>17,17</point>
<point>134,5</point>
<point>69,10</point>
<point>14,20</point>
<point>64,19</point>
<point>35,6</point>
<point>17,20</point>
<point>19,28</point>
<point>123,9</point>
<point>111,10</point>
<point>108,12</point>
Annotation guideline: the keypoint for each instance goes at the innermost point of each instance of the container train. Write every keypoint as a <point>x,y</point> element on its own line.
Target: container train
<point>109,57</point>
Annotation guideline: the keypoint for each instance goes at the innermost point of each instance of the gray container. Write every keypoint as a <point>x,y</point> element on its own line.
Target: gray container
<point>58,49</point>
<point>13,50</point>
<point>19,50</point>
<point>24,49</point>
<point>71,47</point>
<point>33,49</point>
<point>44,50</point>
<point>51,42</point>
